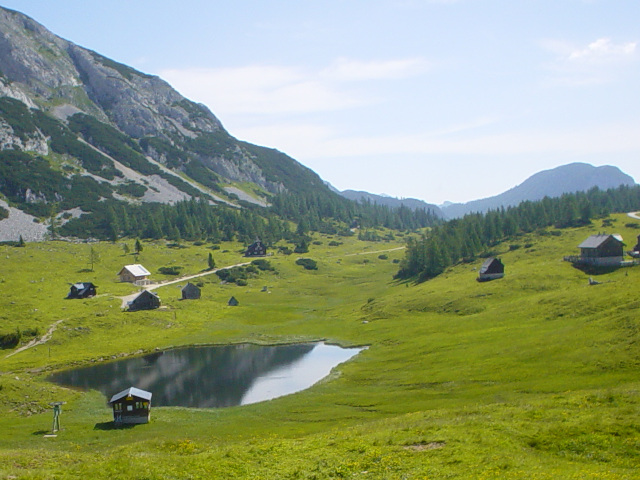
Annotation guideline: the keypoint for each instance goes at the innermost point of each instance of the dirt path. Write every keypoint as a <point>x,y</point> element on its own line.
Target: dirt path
<point>38,341</point>
<point>635,215</point>
<point>126,299</point>
<point>371,253</point>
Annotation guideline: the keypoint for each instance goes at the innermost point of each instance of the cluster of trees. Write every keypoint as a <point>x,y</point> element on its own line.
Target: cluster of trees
<point>327,212</point>
<point>475,234</point>
<point>190,220</point>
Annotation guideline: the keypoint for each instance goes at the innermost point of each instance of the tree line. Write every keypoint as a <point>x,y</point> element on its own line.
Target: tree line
<point>464,239</point>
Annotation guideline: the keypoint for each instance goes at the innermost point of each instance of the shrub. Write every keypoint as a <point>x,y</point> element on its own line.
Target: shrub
<point>383,257</point>
<point>175,270</point>
<point>333,243</point>
<point>307,263</point>
<point>262,264</point>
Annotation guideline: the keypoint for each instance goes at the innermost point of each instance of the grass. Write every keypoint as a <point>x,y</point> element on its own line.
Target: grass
<point>531,376</point>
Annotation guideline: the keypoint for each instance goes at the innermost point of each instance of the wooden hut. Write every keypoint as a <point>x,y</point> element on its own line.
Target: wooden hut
<point>131,406</point>
<point>491,269</point>
<point>233,302</point>
<point>601,250</point>
<point>134,274</point>
<point>256,249</point>
<point>82,290</point>
<point>146,300</point>
<point>637,247</point>
<point>190,292</point>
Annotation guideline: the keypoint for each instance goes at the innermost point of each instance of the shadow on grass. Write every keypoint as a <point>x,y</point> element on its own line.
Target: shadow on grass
<point>112,426</point>
<point>39,433</point>
<point>592,270</point>
<point>84,270</point>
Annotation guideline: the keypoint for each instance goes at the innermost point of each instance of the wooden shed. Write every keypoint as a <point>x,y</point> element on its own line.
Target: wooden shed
<point>601,250</point>
<point>233,302</point>
<point>134,274</point>
<point>146,300</point>
<point>82,290</point>
<point>637,247</point>
<point>491,269</point>
<point>131,406</point>
<point>256,249</point>
<point>190,292</point>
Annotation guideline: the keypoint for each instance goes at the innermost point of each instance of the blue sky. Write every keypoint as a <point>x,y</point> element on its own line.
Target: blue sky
<point>433,99</point>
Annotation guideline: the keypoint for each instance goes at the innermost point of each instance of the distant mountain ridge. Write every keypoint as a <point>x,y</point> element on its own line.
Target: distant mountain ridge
<point>392,202</point>
<point>574,177</point>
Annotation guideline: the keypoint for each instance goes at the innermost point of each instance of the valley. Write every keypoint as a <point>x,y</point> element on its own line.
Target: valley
<point>529,376</point>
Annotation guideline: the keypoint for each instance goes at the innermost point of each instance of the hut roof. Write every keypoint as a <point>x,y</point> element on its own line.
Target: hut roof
<point>491,263</point>
<point>132,391</point>
<point>595,241</point>
<point>136,270</point>
<point>190,287</point>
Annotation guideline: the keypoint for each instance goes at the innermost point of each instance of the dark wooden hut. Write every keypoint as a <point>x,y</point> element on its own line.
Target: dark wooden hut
<point>637,247</point>
<point>256,249</point>
<point>491,269</point>
<point>233,302</point>
<point>601,250</point>
<point>82,290</point>
<point>190,292</point>
<point>131,406</point>
<point>145,301</point>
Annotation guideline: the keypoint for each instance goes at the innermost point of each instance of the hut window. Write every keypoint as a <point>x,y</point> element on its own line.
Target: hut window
<point>117,407</point>
<point>129,408</point>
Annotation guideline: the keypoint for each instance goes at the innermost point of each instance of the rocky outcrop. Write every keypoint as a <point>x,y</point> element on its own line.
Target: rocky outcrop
<point>52,74</point>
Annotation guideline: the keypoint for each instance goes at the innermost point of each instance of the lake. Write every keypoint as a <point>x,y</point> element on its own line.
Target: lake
<point>213,376</point>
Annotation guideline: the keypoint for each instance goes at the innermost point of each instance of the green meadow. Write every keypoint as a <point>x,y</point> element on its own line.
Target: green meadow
<point>533,376</point>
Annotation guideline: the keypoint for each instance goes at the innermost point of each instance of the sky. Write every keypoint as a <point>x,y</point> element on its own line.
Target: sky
<point>441,100</point>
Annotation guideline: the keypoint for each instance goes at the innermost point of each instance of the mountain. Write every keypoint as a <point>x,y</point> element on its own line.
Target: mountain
<point>75,124</point>
<point>412,203</point>
<point>574,177</point>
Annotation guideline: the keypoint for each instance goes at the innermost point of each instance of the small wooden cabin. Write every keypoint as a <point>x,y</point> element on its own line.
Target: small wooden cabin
<point>637,247</point>
<point>233,302</point>
<point>190,292</point>
<point>134,274</point>
<point>131,406</point>
<point>601,250</point>
<point>146,300</point>
<point>256,249</point>
<point>491,269</point>
<point>82,290</point>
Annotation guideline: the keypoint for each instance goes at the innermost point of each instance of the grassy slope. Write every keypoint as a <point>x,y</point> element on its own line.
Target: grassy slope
<point>531,376</point>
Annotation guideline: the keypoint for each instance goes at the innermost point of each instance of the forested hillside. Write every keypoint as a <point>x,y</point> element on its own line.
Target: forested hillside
<point>466,238</point>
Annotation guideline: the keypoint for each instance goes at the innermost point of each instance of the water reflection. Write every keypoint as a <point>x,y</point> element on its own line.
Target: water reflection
<point>219,376</point>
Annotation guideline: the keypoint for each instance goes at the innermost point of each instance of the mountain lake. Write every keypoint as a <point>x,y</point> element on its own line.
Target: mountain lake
<point>213,376</point>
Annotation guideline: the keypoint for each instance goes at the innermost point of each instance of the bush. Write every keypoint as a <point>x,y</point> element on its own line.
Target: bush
<point>383,257</point>
<point>333,243</point>
<point>307,263</point>
<point>263,264</point>
<point>10,340</point>
<point>170,270</point>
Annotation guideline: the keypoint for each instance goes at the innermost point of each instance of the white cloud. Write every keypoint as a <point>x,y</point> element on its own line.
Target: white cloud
<point>308,141</point>
<point>603,49</point>
<point>270,89</point>
<point>599,62</point>
<point>345,69</point>
<point>257,89</point>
